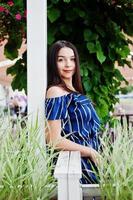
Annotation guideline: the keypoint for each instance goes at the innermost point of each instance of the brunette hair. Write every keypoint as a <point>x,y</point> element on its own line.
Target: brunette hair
<point>54,78</point>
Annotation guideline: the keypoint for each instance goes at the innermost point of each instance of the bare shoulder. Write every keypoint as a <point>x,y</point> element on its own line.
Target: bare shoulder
<point>55,91</point>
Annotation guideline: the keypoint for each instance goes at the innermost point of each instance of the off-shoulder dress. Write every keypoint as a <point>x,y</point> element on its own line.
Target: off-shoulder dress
<point>79,123</point>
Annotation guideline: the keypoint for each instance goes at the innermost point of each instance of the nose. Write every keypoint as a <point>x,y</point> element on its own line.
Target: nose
<point>68,63</point>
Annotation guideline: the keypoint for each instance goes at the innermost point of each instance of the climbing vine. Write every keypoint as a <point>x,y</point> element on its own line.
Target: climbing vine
<point>97,29</point>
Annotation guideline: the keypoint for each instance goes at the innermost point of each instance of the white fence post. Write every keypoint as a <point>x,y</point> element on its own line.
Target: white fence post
<point>36,60</point>
<point>68,173</point>
<point>74,175</point>
<point>61,173</point>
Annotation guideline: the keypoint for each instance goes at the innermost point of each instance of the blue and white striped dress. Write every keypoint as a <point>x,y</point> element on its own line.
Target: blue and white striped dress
<point>79,123</point>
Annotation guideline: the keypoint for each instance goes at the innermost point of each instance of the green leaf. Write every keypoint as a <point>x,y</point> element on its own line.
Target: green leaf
<point>10,52</point>
<point>104,89</point>
<point>64,29</point>
<point>87,86</point>
<point>11,70</point>
<point>53,14</point>
<point>90,63</point>
<point>79,12</point>
<point>89,35</point>
<point>118,74</point>
<point>12,46</point>
<point>96,77</point>
<point>51,34</point>
<point>123,51</point>
<point>100,55</point>
<point>51,38</point>
<point>85,72</point>
<point>67,1</point>
<point>91,47</point>
<point>19,5</point>
<point>104,109</point>
<point>112,54</point>
<point>96,90</point>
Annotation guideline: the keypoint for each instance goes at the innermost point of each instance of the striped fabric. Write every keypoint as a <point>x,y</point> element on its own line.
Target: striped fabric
<point>80,124</point>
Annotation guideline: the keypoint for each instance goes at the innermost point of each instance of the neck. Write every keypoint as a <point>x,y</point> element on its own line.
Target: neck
<point>69,84</point>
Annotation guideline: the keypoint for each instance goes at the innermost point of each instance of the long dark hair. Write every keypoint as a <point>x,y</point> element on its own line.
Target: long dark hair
<point>54,78</point>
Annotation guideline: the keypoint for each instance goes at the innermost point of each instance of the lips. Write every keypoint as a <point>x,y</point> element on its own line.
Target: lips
<point>68,71</point>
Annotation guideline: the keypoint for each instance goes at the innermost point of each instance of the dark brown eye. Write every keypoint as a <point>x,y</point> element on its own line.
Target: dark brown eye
<point>73,59</point>
<point>60,59</point>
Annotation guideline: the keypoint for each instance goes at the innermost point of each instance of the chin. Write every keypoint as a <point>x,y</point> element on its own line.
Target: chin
<point>67,76</point>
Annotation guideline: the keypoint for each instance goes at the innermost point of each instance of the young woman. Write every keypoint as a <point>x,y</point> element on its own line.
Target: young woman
<point>72,121</point>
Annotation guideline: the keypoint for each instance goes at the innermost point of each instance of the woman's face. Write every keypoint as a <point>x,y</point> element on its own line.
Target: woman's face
<point>66,63</point>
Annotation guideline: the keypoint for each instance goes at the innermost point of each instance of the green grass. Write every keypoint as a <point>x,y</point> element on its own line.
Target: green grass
<point>25,167</point>
<point>116,165</point>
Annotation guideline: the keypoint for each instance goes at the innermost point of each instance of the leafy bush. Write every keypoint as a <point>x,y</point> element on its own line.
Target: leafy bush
<point>116,166</point>
<point>97,29</point>
<point>13,15</point>
<point>25,167</point>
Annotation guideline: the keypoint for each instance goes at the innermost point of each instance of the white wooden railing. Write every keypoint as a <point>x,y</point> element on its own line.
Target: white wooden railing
<point>68,173</point>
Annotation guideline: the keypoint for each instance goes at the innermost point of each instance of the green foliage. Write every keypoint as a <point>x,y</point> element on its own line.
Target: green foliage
<point>115,168</point>
<point>14,30</point>
<point>25,166</point>
<point>96,28</point>
<point>19,73</point>
<point>53,15</point>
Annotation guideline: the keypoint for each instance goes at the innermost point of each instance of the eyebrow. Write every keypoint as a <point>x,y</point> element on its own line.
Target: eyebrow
<point>65,56</point>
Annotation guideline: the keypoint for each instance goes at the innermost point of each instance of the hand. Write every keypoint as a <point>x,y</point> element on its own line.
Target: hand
<point>94,156</point>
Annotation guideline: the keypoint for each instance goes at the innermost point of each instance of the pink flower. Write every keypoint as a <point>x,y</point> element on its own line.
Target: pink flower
<point>6,11</point>
<point>2,8</point>
<point>10,3</point>
<point>18,17</point>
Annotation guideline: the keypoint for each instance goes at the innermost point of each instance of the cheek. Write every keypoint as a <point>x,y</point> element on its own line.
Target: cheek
<point>60,65</point>
<point>59,68</point>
